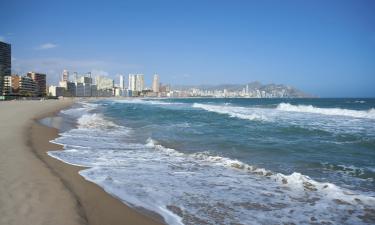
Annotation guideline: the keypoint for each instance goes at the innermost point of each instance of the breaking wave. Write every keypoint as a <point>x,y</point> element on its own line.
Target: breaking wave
<point>146,102</point>
<point>95,121</point>
<point>232,111</point>
<point>201,187</point>
<point>369,114</point>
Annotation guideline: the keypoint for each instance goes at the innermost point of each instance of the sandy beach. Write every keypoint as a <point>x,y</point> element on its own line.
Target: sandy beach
<point>38,189</point>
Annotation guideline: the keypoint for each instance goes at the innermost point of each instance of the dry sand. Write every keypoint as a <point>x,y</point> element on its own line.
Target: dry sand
<point>37,189</point>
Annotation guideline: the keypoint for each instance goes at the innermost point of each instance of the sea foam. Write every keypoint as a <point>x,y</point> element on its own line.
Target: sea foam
<point>232,111</point>
<point>202,187</point>
<point>368,114</point>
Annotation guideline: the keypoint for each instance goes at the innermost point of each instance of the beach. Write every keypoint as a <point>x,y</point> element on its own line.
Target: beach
<point>38,189</point>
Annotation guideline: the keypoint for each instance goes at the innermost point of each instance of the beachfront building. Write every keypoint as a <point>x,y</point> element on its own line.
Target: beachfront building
<point>139,82</point>
<point>80,91</point>
<point>69,88</point>
<point>56,91</point>
<point>11,85</point>
<point>122,82</point>
<point>136,84</point>
<point>20,86</point>
<point>81,87</point>
<point>94,90</point>
<point>5,63</point>
<point>104,83</point>
<point>84,86</point>
<point>156,83</point>
<point>131,84</point>
<point>28,87</point>
<point>104,86</point>
<point>40,81</point>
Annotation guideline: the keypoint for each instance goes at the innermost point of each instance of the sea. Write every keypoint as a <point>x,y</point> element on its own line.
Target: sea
<point>228,161</point>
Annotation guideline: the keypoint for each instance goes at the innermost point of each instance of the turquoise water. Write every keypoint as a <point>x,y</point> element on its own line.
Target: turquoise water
<point>230,161</point>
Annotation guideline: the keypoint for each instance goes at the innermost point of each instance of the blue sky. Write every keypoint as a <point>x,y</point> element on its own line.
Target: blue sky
<point>326,48</point>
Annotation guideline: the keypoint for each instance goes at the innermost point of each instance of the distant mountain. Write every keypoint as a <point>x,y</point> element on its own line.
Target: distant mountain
<point>255,89</point>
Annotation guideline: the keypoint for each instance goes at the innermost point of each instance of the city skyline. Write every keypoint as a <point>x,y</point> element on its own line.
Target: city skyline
<point>323,48</point>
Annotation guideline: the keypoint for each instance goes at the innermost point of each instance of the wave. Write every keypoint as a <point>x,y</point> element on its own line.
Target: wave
<point>351,170</point>
<point>79,109</point>
<point>95,121</point>
<point>187,188</point>
<point>232,111</point>
<point>369,114</point>
<point>295,180</point>
<point>146,102</point>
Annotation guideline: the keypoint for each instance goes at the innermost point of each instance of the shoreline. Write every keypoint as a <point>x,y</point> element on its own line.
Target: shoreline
<point>38,189</point>
<point>110,210</point>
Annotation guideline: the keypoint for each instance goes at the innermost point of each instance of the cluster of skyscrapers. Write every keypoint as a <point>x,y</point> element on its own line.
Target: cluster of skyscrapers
<point>34,84</point>
<point>102,86</point>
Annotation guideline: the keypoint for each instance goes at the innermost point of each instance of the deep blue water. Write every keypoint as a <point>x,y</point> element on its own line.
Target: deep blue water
<point>265,161</point>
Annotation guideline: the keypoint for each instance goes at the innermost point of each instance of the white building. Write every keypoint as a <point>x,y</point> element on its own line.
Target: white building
<point>132,82</point>
<point>65,75</point>
<point>104,83</point>
<point>122,82</point>
<point>136,82</point>
<point>156,83</point>
<point>139,82</point>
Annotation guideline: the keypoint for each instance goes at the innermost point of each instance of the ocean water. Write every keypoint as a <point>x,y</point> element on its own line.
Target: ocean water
<point>230,161</point>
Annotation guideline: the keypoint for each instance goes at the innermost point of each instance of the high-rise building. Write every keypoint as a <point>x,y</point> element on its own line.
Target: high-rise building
<point>132,81</point>
<point>75,76</point>
<point>139,82</point>
<point>65,75</point>
<point>84,79</point>
<point>136,82</point>
<point>69,88</point>
<point>156,83</point>
<point>80,89</point>
<point>40,81</point>
<point>104,83</point>
<point>122,82</point>
<point>56,91</point>
<point>5,63</point>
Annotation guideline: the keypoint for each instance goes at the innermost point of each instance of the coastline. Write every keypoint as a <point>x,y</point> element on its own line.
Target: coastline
<point>38,189</point>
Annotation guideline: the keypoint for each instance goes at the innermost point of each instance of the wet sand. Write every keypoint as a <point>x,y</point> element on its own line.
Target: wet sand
<point>38,189</point>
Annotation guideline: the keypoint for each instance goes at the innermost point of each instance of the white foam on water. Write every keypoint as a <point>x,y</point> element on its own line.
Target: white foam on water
<point>232,111</point>
<point>80,109</point>
<point>95,121</point>
<point>146,102</point>
<point>201,188</point>
<point>308,117</point>
<point>368,114</point>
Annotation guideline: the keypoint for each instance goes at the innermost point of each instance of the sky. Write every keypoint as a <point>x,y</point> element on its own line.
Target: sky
<point>325,48</point>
